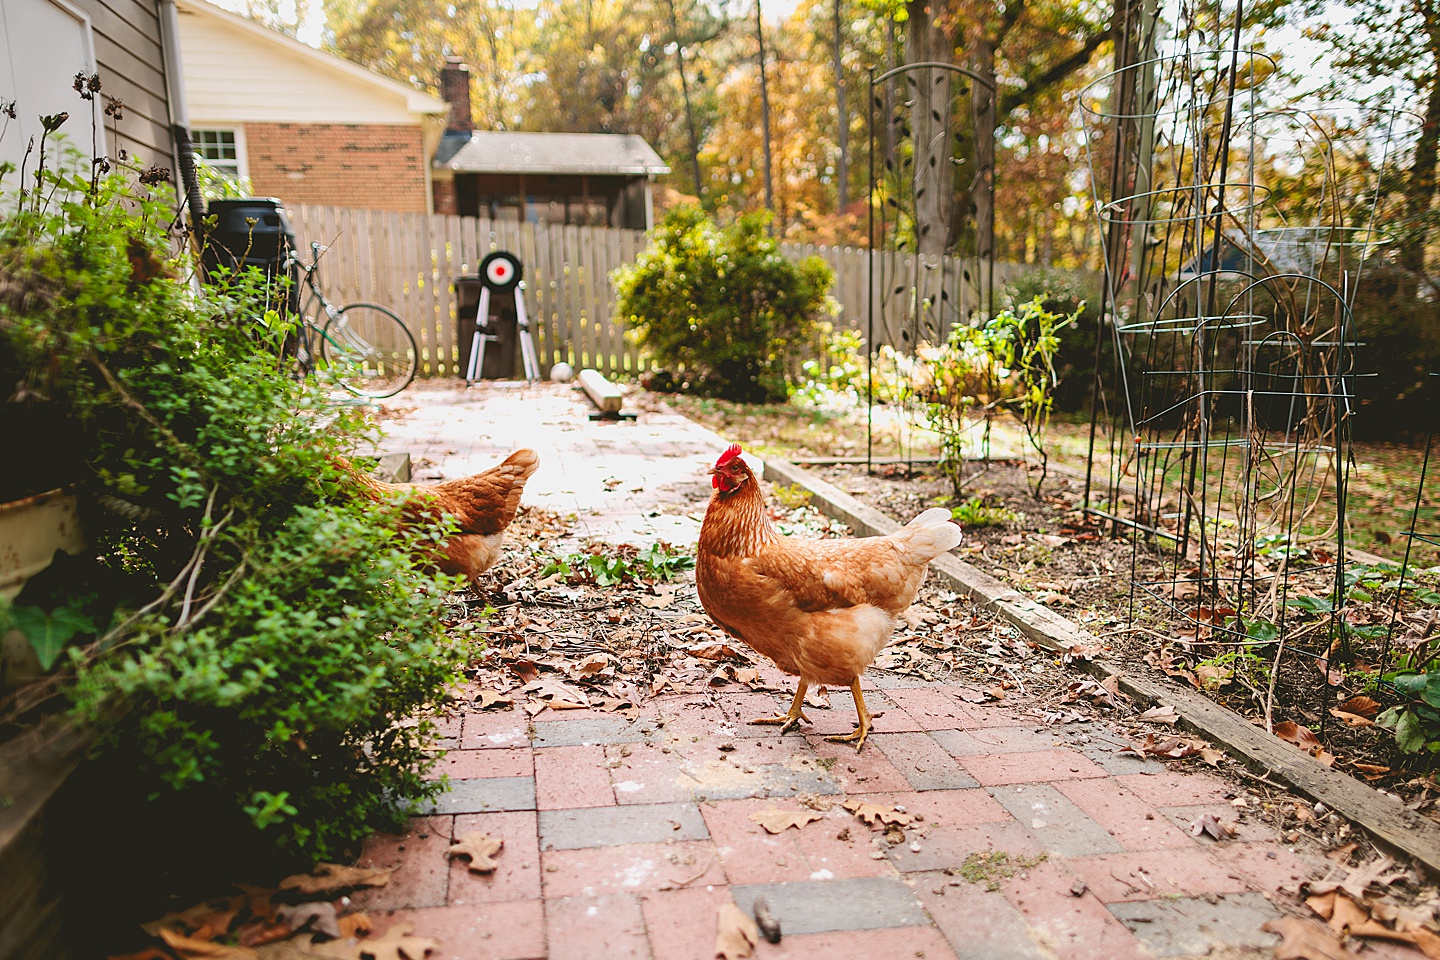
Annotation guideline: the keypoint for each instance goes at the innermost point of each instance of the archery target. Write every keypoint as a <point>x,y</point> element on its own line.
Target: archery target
<point>500,271</point>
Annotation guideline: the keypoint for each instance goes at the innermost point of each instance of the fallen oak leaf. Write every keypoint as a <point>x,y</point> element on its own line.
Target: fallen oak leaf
<point>480,848</point>
<point>332,879</point>
<point>204,921</point>
<point>1306,940</point>
<point>736,935</point>
<point>1292,732</point>
<point>1162,714</point>
<point>1207,824</point>
<point>489,698</point>
<point>876,814</point>
<point>775,820</point>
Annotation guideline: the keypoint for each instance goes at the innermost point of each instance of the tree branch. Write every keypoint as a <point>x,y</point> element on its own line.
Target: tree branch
<point>1015,99</point>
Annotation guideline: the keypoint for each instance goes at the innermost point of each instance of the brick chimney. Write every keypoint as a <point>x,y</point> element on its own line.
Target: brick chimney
<point>455,90</point>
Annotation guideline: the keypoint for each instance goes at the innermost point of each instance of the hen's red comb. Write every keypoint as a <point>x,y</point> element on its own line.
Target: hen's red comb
<point>731,452</point>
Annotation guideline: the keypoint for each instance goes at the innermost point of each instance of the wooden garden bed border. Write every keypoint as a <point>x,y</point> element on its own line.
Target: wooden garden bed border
<point>1384,818</point>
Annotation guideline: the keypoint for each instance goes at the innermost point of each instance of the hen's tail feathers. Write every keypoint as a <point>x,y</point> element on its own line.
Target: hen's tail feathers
<point>930,534</point>
<point>488,501</point>
<point>524,461</point>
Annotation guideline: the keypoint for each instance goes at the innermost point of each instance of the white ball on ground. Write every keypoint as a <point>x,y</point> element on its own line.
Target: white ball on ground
<point>562,372</point>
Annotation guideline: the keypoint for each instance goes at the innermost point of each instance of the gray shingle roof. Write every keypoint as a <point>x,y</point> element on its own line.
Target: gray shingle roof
<point>490,151</point>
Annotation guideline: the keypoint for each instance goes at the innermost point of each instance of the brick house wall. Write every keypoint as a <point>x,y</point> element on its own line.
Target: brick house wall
<point>371,166</point>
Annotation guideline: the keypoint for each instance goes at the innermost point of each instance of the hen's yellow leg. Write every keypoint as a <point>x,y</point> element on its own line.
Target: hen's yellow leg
<point>794,715</point>
<point>862,730</point>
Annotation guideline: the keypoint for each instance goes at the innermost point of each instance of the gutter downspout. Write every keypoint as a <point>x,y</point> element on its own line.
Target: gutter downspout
<point>180,114</point>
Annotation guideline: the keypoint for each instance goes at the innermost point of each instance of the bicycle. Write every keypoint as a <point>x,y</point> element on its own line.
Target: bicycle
<point>365,347</point>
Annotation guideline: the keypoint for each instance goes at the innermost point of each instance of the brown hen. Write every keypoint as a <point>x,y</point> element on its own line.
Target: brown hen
<point>820,609</point>
<point>482,505</point>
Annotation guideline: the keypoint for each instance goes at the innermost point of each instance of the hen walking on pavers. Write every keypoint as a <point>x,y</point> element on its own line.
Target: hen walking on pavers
<point>820,609</point>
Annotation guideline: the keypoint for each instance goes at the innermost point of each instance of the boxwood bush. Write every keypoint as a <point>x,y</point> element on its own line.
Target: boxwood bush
<point>722,308</point>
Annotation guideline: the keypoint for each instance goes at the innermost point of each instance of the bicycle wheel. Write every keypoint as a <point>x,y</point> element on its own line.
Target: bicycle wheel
<point>368,351</point>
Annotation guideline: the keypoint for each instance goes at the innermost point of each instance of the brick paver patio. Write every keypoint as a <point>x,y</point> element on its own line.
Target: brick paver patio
<point>623,837</point>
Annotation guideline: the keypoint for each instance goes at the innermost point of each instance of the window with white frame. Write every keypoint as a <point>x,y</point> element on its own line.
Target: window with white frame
<point>221,150</point>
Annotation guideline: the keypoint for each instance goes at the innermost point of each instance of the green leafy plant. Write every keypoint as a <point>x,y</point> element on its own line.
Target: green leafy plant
<point>268,637</point>
<point>1007,364</point>
<point>976,513</point>
<point>607,566</point>
<point>722,306</point>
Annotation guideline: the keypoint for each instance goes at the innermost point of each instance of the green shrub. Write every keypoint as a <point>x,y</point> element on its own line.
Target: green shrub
<point>264,634</point>
<point>722,307</point>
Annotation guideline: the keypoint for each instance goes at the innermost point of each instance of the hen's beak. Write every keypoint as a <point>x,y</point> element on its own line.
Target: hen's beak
<point>710,472</point>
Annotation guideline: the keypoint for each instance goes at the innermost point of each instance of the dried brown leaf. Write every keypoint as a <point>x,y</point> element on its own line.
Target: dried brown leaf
<point>1162,714</point>
<point>737,934</point>
<point>190,948</point>
<point>480,848</point>
<point>1360,706</point>
<point>1292,732</point>
<point>775,820</point>
<point>489,698</point>
<point>1307,940</point>
<point>1207,824</point>
<point>329,880</point>
<point>876,814</point>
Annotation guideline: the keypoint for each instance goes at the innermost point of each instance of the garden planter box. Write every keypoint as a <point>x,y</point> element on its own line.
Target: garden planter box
<point>33,768</point>
<point>31,530</point>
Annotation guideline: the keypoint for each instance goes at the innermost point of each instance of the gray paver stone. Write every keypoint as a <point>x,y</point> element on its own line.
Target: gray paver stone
<point>613,826</point>
<point>979,743</point>
<point>589,731</point>
<point>922,761</point>
<point>1194,927</point>
<point>487,794</point>
<point>774,780</point>
<point>817,906</point>
<point>1050,816</point>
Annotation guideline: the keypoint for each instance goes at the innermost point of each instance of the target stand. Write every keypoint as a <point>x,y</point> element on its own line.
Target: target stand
<point>500,274</point>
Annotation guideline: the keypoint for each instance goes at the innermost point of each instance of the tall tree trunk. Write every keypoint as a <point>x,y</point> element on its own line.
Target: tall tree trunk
<point>982,189</point>
<point>765,114</point>
<point>685,94</point>
<point>842,118</point>
<point>1420,184</point>
<point>927,130</point>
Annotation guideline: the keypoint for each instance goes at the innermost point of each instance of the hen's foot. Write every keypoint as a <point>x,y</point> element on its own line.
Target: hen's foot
<point>785,720</point>
<point>793,716</point>
<point>862,729</point>
<point>858,735</point>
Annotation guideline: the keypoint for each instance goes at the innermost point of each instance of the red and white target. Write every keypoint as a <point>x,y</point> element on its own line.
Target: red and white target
<point>500,271</point>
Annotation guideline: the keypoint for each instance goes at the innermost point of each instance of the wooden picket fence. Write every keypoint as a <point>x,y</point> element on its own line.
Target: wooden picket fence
<point>410,261</point>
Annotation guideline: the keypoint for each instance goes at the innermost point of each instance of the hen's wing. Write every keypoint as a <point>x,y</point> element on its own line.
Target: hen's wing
<point>883,571</point>
<point>486,502</point>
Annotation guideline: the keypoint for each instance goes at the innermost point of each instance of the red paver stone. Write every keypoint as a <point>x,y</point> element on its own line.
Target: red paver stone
<point>473,764</point>
<point>751,855</point>
<point>948,808</point>
<point>935,708</point>
<point>1074,928</point>
<point>682,923</point>
<point>948,847</point>
<point>738,709</point>
<point>588,928</point>
<point>510,931</point>
<point>495,728</point>
<point>1268,866</point>
<point>888,716</point>
<point>1170,789</point>
<point>631,868</point>
<point>567,777</point>
<point>517,877</point>
<point>1129,819</point>
<point>868,771</point>
<point>649,775</point>
<point>421,872</point>
<point>1042,766</point>
<point>895,943</point>
<point>977,922</point>
<point>1120,877</point>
